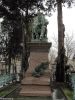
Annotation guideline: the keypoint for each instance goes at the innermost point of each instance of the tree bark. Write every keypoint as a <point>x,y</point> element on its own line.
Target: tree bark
<point>60,62</point>
<point>9,62</point>
<point>26,39</point>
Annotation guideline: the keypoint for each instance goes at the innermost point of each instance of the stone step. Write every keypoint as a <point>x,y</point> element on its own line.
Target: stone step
<point>34,90</point>
<point>36,81</point>
<point>46,73</point>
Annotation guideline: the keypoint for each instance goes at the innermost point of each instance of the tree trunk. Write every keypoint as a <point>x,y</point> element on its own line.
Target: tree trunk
<point>25,53</point>
<point>15,67</point>
<point>9,62</point>
<point>60,63</point>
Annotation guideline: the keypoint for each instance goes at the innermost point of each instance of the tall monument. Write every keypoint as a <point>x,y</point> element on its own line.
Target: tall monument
<point>39,46</point>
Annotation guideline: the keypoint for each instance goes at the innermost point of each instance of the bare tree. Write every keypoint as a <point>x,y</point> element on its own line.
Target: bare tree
<point>52,55</point>
<point>55,42</point>
<point>69,44</point>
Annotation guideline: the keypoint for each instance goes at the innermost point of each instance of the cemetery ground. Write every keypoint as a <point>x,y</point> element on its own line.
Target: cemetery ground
<point>12,91</point>
<point>68,93</point>
<point>58,91</point>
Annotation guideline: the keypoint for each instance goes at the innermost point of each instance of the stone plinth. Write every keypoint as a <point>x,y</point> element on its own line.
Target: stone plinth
<point>32,86</point>
<point>35,90</point>
<point>38,53</point>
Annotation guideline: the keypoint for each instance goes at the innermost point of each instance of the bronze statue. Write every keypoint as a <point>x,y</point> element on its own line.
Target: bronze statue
<point>39,27</point>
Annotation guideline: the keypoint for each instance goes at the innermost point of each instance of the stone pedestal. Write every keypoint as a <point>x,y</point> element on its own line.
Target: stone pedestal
<point>38,53</point>
<point>32,86</point>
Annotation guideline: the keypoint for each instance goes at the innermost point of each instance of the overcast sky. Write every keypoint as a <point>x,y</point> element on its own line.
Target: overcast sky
<point>69,22</point>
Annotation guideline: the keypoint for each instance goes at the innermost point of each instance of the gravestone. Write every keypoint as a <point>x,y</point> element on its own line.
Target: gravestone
<point>33,86</point>
<point>39,49</point>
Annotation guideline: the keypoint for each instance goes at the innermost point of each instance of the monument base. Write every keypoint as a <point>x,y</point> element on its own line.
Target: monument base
<point>38,54</point>
<point>33,86</point>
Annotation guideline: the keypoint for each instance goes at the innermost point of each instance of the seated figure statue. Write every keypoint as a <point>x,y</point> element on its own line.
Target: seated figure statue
<point>44,32</point>
<point>40,27</point>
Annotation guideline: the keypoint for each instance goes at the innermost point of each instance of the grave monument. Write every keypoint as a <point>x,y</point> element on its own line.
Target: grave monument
<point>39,48</point>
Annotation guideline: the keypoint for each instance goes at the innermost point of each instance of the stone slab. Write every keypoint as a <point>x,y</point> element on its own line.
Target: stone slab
<point>36,81</point>
<point>34,90</point>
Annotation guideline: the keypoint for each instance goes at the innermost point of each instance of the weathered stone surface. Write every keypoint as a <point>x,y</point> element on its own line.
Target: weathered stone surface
<point>38,54</point>
<point>39,46</point>
<point>32,86</point>
<point>35,90</point>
